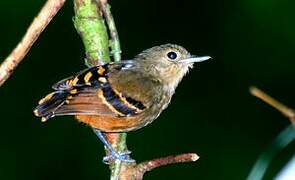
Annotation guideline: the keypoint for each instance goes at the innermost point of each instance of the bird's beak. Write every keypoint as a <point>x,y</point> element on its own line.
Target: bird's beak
<point>194,59</point>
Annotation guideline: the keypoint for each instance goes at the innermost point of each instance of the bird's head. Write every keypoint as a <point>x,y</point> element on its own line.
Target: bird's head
<point>167,63</point>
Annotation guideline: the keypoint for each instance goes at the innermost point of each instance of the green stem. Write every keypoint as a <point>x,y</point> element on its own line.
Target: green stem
<point>90,25</point>
<point>115,42</point>
<point>119,143</point>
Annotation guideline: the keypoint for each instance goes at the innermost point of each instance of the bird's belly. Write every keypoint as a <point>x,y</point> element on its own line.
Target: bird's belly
<point>113,124</point>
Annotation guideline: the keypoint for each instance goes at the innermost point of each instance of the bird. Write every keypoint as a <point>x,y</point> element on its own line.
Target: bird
<point>120,96</point>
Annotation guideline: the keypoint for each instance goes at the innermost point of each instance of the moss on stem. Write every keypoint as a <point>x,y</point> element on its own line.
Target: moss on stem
<point>91,27</point>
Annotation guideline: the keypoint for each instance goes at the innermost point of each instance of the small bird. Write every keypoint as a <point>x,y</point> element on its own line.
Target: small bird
<point>123,96</point>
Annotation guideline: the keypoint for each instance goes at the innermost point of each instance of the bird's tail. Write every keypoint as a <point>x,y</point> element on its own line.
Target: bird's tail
<point>50,103</point>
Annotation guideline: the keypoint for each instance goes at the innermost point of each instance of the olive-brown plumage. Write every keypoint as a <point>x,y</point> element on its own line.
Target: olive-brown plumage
<point>120,97</point>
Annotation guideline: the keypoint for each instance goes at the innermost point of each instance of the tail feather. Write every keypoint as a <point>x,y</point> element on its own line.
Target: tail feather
<point>48,105</point>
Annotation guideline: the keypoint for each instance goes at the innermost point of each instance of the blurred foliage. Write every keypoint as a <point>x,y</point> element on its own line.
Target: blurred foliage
<point>252,43</point>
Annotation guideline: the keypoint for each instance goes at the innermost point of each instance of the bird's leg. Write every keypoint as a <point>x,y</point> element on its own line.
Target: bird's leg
<point>114,155</point>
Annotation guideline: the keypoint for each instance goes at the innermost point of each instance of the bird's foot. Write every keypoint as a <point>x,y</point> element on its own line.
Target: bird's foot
<point>113,154</point>
<point>122,156</point>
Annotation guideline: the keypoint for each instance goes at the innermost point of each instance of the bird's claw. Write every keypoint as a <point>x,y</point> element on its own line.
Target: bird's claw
<point>123,156</point>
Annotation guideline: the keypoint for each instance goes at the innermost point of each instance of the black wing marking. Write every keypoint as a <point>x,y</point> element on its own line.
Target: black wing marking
<point>87,101</point>
<point>49,104</point>
<point>88,93</point>
<point>118,102</point>
<point>88,77</point>
<point>92,76</point>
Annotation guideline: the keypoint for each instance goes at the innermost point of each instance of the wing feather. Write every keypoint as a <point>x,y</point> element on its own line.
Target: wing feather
<point>88,93</point>
<point>85,102</point>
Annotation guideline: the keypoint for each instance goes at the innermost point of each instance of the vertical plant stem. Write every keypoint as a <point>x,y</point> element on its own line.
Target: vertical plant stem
<point>114,42</point>
<point>91,27</point>
<point>118,140</point>
<point>90,24</point>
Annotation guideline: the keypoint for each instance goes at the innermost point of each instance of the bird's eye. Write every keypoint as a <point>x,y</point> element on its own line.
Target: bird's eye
<point>172,55</point>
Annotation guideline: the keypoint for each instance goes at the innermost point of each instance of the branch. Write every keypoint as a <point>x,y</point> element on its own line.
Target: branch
<point>286,111</point>
<point>152,164</point>
<point>136,172</point>
<point>45,15</point>
<point>115,42</point>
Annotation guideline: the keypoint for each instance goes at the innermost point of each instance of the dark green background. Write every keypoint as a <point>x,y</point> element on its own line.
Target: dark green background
<point>212,113</point>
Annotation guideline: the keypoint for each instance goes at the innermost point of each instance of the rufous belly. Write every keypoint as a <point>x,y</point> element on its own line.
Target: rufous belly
<point>111,123</point>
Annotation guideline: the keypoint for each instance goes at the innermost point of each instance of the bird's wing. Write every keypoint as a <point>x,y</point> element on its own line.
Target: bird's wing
<point>87,93</point>
<point>89,77</point>
<point>92,76</point>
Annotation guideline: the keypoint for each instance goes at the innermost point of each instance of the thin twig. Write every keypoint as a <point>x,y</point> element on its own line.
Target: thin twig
<point>114,42</point>
<point>285,110</point>
<point>152,164</point>
<point>136,172</point>
<point>45,15</point>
